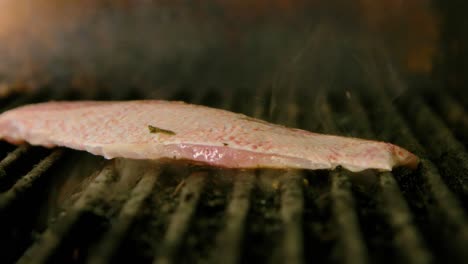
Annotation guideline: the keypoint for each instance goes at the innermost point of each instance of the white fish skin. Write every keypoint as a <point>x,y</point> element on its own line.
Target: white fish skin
<point>150,129</point>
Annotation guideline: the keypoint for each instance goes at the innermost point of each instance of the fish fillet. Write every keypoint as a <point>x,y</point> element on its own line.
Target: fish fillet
<point>152,129</point>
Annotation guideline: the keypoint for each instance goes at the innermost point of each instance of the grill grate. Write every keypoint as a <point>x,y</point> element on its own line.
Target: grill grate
<point>177,213</point>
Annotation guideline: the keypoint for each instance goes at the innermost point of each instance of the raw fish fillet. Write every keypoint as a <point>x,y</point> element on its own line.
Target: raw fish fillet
<point>161,129</point>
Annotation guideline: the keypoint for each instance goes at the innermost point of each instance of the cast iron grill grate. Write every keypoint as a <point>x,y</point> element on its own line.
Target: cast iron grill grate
<point>65,206</point>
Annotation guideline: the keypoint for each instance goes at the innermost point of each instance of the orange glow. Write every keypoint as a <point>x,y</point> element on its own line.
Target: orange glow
<point>408,27</point>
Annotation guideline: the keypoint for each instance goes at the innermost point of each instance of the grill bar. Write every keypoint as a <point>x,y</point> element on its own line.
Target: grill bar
<point>292,197</point>
<point>230,238</point>
<point>344,214</point>
<point>292,207</point>
<point>51,239</point>
<point>112,240</point>
<point>179,222</point>
<point>12,157</point>
<point>406,237</point>
<point>28,181</point>
<point>231,231</point>
<point>455,113</point>
<point>350,243</point>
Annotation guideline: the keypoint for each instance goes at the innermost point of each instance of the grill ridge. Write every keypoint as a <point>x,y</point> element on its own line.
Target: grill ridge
<point>112,239</point>
<point>10,158</point>
<point>27,181</point>
<point>230,238</point>
<point>350,246</point>
<point>188,200</point>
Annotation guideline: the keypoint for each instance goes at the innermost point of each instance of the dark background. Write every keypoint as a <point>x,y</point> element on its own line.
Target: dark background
<point>162,45</point>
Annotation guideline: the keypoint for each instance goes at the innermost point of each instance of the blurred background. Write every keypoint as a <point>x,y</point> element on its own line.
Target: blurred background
<point>388,70</point>
<point>144,45</point>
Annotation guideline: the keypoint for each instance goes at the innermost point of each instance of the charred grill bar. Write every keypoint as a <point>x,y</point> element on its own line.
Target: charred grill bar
<point>173,213</point>
<point>350,243</point>
<point>229,240</point>
<point>116,233</point>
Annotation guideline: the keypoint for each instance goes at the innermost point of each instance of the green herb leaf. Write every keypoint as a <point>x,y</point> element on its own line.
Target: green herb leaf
<point>154,130</point>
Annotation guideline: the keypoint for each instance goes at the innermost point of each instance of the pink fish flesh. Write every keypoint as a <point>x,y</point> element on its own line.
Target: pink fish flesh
<point>161,129</point>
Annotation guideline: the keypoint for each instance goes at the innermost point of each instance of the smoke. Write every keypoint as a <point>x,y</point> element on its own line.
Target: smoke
<point>122,46</point>
<point>92,46</point>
